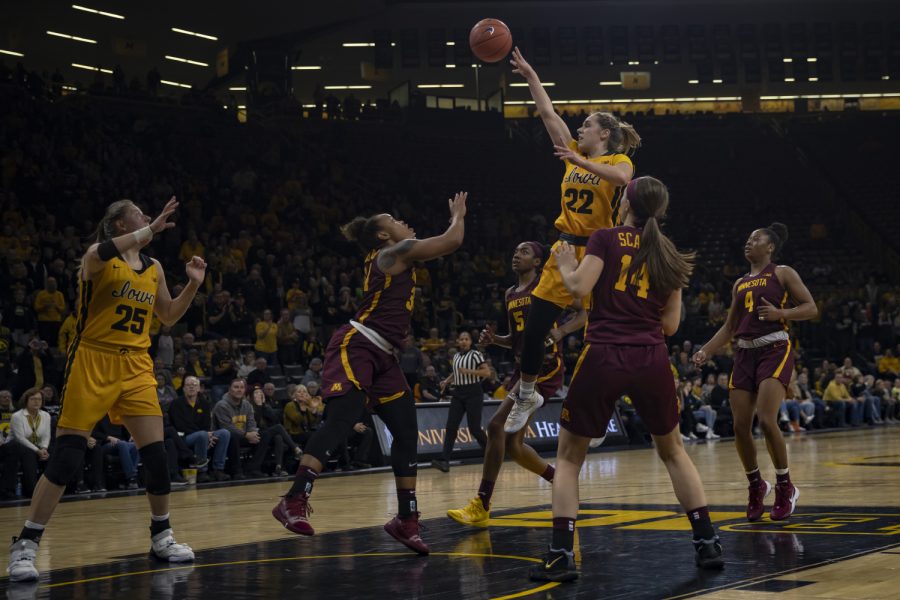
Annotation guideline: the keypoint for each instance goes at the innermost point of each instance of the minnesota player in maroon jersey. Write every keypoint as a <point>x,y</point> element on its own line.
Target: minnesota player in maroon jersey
<point>526,262</point>
<point>360,366</point>
<point>763,362</point>
<point>635,274</point>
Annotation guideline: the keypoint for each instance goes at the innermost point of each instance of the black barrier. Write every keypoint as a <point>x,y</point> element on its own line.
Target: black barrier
<point>542,433</point>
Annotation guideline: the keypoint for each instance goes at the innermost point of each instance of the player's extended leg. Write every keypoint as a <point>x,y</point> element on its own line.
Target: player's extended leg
<point>743,406</point>
<point>400,418</point>
<point>67,460</point>
<point>540,320</point>
<point>147,432</point>
<point>559,564</point>
<point>689,491</point>
<point>343,413</point>
<point>768,401</point>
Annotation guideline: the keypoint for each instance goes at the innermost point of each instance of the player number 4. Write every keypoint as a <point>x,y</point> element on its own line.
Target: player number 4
<point>748,301</point>
<point>641,279</point>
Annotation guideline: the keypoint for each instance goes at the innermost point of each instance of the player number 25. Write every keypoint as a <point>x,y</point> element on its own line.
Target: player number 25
<point>133,319</point>
<point>641,279</point>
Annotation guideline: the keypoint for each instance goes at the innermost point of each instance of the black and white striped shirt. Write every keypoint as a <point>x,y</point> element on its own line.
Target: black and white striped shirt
<point>469,360</point>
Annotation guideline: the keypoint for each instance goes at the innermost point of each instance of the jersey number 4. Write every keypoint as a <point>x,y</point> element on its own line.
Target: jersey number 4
<point>748,301</point>
<point>133,319</point>
<point>586,197</point>
<point>641,279</point>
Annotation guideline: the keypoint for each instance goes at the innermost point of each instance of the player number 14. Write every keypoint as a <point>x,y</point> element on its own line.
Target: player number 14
<point>641,279</point>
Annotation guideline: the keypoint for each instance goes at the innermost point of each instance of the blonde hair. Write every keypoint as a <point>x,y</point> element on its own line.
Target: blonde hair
<point>623,138</point>
<point>106,229</point>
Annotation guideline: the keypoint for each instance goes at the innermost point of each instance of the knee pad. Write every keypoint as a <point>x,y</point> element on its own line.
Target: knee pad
<point>156,469</point>
<point>66,460</point>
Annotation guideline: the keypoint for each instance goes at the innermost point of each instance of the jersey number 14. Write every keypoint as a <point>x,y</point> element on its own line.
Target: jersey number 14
<point>640,279</point>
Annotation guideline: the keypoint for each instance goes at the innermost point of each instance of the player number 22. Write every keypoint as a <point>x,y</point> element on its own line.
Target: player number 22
<point>133,319</point>
<point>586,197</point>
<point>641,279</point>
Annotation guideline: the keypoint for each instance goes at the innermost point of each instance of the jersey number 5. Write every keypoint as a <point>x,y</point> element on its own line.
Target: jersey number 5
<point>586,197</point>
<point>641,279</point>
<point>135,316</point>
<point>519,319</point>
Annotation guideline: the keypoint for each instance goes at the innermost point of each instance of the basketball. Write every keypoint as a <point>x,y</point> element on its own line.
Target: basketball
<point>490,40</point>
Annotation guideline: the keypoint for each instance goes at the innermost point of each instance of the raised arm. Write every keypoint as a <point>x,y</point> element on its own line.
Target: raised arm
<point>169,309</point>
<point>398,257</point>
<point>97,254</point>
<point>579,278</point>
<point>556,127</point>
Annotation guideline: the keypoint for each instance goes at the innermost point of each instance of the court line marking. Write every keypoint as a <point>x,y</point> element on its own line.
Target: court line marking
<point>770,576</point>
<point>192,567</point>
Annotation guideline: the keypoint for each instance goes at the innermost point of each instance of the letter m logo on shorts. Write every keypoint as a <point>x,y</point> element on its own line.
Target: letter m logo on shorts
<point>335,387</point>
<point>564,415</point>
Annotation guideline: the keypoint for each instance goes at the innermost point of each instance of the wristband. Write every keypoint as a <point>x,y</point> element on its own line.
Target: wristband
<point>143,234</point>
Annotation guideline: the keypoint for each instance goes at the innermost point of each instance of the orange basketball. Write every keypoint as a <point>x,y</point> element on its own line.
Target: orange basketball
<point>490,40</point>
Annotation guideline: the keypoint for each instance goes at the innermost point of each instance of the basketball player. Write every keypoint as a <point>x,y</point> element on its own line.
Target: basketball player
<point>360,363</point>
<point>636,275</point>
<point>763,362</point>
<point>526,261</point>
<point>597,169</point>
<point>108,370</point>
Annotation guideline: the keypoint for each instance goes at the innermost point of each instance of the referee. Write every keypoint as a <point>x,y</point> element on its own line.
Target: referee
<point>467,397</point>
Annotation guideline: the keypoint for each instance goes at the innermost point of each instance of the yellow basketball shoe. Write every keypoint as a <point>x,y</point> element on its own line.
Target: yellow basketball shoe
<point>473,514</point>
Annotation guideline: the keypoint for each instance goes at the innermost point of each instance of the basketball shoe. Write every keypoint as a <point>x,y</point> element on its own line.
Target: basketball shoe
<point>558,565</point>
<point>164,547</point>
<point>708,553</point>
<point>406,531</point>
<point>786,495</point>
<point>21,560</point>
<point>521,411</point>
<point>474,514</point>
<point>293,512</point>
<point>757,492</point>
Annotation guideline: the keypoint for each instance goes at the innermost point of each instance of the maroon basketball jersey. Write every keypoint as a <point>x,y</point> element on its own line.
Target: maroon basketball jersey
<point>625,309</point>
<point>387,301</point>
<point>751,290</point>
<point>518,303</point>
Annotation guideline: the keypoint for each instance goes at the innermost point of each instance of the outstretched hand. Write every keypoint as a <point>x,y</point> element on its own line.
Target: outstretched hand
<point>161,222</point>
<point>196,269</point>
<point>521,66</point>
<point>458,205</point>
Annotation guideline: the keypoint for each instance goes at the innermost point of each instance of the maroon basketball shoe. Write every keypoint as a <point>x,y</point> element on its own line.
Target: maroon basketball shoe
<point>406,531</point>
<point>786,495</point>
<point>293,512</point>
<point>758,490</point>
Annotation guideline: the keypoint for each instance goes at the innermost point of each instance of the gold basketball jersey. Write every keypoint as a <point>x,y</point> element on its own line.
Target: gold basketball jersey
<point>588,202</point>
<point>115,308</point>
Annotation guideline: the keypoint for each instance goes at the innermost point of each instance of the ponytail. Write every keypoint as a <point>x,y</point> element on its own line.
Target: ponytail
<point>106,229</point>
<point>778,235</point>
<point>623,138</point>
<point>667,268</point>
<point>364,231</point>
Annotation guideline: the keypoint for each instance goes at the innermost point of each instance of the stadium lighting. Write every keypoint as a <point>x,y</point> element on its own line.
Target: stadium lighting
<point>97,12</point>
<point>175,84</point>
<point>812,79</point>
<point>451,66</point>
<point>788,60</point>
<point>693,81</point>
<point>71,37</point>
<point>812,59</point>
<point>11,53</point>
<point>348,87</point>
<point>195,34</point>
<point>717,81</point>
<point>543,83</point>
<point>306,68</point>
<point>90,68</point>
<point>426,86</point>
<point>362,44</point>
<point>187,60</point>
<point>451,43</point>
<point>238,88</point>
<point>789,80</point>
<point>610,83</point>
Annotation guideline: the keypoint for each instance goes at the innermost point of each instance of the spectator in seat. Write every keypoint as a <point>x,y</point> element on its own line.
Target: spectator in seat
<point>270,427</point>
<point>837,397</point>
<point>117,442</point>
<point>191,416</point>
<point>259,376</point>
<point>234,413</point>
<point>28,445</point>
<point>49,306</point>
<point>248,364</point>
<point>267,338</point>
<point>299,419</point>
<point>430,385</point>
<point>311,347</point>
<point>287,339</point>
<point>889,365</point>
<point>313,373</point>
<point>223,368</point>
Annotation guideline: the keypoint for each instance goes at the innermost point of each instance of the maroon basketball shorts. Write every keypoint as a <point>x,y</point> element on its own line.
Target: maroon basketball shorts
<point>549,381</point>
<point>604,373</point>
<point>352,361</point>
<point>752,366</point>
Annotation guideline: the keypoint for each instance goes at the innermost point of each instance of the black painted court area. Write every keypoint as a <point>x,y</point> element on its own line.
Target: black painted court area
<point>624,552</point>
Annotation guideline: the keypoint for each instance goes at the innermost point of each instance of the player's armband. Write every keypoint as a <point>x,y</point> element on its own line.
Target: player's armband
<point>107,250</point>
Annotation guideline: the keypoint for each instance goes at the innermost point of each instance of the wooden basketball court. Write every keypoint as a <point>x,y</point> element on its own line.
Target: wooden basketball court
<point>632,542</point>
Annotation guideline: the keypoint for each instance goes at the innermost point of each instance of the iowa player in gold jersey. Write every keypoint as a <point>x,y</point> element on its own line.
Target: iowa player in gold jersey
<point>108,371</point>
<point>597,170</point>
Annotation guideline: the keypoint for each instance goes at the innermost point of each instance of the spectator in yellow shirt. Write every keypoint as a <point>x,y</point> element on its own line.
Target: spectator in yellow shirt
<point>889,364</point>
<point>191,247</point>
<point>66,333</point>
<point>838,398</point>
<point>267,338</point>
<point>49,306</point>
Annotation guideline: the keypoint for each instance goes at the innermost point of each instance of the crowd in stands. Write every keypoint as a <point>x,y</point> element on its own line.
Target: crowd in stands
<point>239,377</point>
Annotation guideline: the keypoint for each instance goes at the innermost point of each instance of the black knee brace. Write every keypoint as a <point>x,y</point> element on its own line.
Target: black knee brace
<point>541,317</point>
<point>400,418</point>
<point>341,414</point>
<point>66,460</point>
<point>156,469</point>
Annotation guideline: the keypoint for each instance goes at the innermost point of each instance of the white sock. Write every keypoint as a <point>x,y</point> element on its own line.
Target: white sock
<point>781,471</point>
<point>37,526</point>
<point>526,389</point>
<point>159,517</point>
<point>752,472</point>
